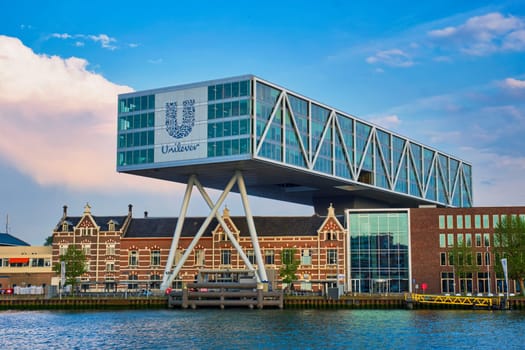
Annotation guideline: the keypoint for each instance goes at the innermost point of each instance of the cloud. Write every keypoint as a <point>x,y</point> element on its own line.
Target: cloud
<point>514,83</point>
<point>391,121</point>
<point>483,35</point>
<point>393,58</point>
<point>59,120</point>
<point>104,40</point>
<point>155,61</point>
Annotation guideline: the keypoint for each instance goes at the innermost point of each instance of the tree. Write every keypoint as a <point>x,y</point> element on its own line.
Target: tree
<point>49,241</point>
<point>509,243</point>
<point>461,255</point>
<point>290,264</point>
<point>75,260</point>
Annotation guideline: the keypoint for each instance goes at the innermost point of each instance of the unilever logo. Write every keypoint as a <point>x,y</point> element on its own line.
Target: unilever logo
<point>175,129</point>
<point>181,130</point>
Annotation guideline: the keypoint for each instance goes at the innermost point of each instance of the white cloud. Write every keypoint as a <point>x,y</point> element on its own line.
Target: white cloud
<point>155,61</point>
<point>391,121</point>
<point>104,40</point>
<point>482,35</point>
<point>59,121</point>
<point>393,57</point>
<point>514,83</point>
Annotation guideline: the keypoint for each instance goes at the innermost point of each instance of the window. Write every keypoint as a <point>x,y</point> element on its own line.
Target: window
<point>477,221</point>
<point>479,259</point>
<point>269,257</point>
<point>111,226</point>
<point>495,220</point>
<point>306,257</point>
<point>468,239</point>
<point>133,258</point>
<point>86,249</point>
<point>87,266</point>
<point>250,254</point>
<point>443,259</point>
<point>155,258</point>
<point>468,222</point>
<point>450,240</point>
<point>486,239</point>
<point>110,249</point>
<point>485,221</point>
<point>450,221</point>
<point>460,240</point>
<point>459,221</point>
<point>447,282</point>
<point>199,257</point>
<point>154,281</point>
<point>226,257</point>
<point>36,262</point>
<point>487,259</point>
<point>62,249</point>
<point>65,227</point>
<point>331,256</point>
<point>442,221</point>
<point>110,266</point>
<point>132,281</point>
<point>478,239</point>
<point>331,236</point>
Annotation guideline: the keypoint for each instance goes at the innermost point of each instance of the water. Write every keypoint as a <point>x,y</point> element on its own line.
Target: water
<point>263,329</point>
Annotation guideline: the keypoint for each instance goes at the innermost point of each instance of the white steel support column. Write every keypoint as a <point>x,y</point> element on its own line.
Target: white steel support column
<point>230,235</point>
<point>199,234</point>
<point>176,235</point>
<point>251,227</point>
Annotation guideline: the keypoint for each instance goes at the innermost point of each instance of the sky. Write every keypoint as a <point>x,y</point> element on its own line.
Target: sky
<point>449,74</point>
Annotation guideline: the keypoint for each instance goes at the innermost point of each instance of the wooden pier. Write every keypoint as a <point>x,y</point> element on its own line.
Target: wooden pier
<point>225,295</point>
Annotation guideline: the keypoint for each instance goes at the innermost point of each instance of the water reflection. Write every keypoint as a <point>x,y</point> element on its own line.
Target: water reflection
<point>262,329</point>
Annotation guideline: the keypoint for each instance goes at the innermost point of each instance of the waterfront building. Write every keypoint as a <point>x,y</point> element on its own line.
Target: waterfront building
<point>249,132</point>
<point>25,266</point>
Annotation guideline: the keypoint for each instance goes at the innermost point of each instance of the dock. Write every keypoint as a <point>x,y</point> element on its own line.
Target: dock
<point>223,295</point>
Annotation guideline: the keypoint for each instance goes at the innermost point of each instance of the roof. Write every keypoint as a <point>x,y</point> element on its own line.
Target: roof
<point>101,221</point>
<point>265,226</point>
<point>8,240</point>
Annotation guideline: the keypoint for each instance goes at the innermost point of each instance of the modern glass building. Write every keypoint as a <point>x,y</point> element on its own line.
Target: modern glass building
<point>379,251</point>
<point>287,146</point>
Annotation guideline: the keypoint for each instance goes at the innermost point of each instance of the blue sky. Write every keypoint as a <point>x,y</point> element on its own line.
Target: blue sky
<point>450,74</point>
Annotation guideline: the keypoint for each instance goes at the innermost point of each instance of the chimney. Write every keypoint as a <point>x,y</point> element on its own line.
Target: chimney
<point>145,215</point>
<point>130,209</point>
<point>64,213</point>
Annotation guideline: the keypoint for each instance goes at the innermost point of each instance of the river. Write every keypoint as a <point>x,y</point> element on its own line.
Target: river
<point>263,329</point>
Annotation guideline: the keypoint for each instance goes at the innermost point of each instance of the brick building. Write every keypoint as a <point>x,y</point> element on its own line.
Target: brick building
<point>127,252</point>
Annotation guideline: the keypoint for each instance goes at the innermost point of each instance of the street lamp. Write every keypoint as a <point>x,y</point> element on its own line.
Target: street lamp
<point>487,261</point>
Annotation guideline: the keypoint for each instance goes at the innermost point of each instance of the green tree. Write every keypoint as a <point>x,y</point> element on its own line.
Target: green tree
<point>461,255</point>
<point>75,260</point>
<point>49,241</point>
<point>509,242</point>
<point>290,264</point>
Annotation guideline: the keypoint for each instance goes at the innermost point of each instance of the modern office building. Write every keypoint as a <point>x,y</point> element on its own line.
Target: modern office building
<point>278,144</point>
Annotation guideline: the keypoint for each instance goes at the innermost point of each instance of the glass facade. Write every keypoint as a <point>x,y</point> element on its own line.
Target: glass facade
<point>379,258</point>
<point>252,117</point>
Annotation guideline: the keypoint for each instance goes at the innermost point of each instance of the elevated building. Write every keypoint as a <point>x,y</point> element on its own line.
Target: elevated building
<point>245,133</point>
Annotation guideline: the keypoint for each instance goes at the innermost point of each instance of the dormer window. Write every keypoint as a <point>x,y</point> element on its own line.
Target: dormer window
<point>112,225</point>
<point>65,227</point>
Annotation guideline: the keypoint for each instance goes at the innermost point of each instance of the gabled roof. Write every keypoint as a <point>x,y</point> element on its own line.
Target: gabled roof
<point>8,240</point>
<point>101,221</point>
<point>265,226</point>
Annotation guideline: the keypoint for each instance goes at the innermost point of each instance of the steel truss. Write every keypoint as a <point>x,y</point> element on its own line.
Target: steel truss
<point>238,179</point>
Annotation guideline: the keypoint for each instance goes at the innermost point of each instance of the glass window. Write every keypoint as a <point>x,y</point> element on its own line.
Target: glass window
<point>442,221</point>
<point>450,221</point>
<point>459,221</point>
<point>450,239</point>
<point>133,258</point>
<point>479,259</point>
<point>331,256</point>
<point>486,221</point>
<point>478,239</point>
<point>199,257</point>
<point>468,223</point>
<point>477,221</point>
<point>442,240</point>
<point>495,220</point>
<point>226,257</point>
<point>250,254</point>
<point>468,239</point>
<point>443,259</point>
<point>110,249</point>
<point>155,258</point>
<point>306,258</point>
<point>460,239</point>
<point>244,88</point>
<point>269,257</point>
<point>487,259</point>
<point>486,239</point>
